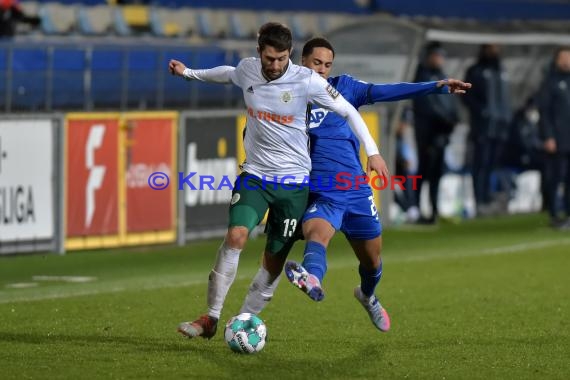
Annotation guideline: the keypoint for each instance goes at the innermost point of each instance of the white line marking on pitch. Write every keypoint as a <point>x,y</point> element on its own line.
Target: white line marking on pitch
<point>505,250</point>
<point>509,249</point>
<point>22,285</point>
<point>74,279</point>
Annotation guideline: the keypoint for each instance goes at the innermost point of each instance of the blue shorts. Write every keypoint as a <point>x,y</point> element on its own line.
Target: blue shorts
<point>356,215</point>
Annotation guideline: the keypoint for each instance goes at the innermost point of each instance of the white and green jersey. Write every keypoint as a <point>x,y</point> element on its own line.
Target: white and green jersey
<point>276,139</point>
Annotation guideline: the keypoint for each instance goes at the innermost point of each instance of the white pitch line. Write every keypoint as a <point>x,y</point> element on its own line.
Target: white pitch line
<point>116,289</point>
<point>21,285</point>
<point>76,279</point>
<point>509,249</point>
<point>505,250</point>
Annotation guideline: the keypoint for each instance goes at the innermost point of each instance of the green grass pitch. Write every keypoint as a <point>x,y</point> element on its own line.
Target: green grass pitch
<point>485,299</point>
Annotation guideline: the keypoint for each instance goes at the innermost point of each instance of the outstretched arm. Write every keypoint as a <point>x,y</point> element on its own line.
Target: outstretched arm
<point>399,91</point>
<point>324,94</point>
<point>219,74</point>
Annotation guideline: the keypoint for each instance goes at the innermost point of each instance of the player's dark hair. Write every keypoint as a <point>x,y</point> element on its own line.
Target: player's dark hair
<point>317,42</point>
<point>276,35</point>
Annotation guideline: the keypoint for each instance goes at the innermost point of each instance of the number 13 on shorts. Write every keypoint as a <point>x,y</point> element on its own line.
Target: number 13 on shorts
<point>289,227</point>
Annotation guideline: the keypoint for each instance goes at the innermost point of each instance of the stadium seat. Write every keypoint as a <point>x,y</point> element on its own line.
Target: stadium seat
<point>131,20</point>
<point>96,20</point>
<point>120,24</point>
<point>305,26</point>
<point>29,77</point>
<point>68,80</point>
<point>58,19</point>
<point>85,2</point>
<point>162,25</point>
<point>243,24</point>
<point>185,19</point>
<point>332,21</point>
<point>302,25</point>
<point>136,17</point>
<point>269,16</point>
<point>213,23</point>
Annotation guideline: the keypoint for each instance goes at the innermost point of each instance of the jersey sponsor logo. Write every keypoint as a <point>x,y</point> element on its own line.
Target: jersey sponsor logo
<point>317,116</point>
<point>332,91</point>
<point>250,89</point>
<point>286,96</point>
<point>312,209</point>
<point>268,116</point>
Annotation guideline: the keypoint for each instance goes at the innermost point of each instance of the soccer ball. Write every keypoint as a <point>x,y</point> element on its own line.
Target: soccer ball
<point>245,333</point>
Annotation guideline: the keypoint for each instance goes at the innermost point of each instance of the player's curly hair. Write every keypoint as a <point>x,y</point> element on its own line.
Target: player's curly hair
<point>276,35</point>
<point>316,42</point>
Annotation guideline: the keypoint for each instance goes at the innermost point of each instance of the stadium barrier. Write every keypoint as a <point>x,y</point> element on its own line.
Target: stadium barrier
<point>30,183</point>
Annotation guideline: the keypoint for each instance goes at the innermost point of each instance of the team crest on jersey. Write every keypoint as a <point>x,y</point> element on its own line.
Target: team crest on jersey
<point>332,92</point>
<point>286,96</point>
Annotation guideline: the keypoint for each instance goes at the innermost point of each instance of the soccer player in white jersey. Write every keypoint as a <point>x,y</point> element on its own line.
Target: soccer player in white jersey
<point>276,93</point>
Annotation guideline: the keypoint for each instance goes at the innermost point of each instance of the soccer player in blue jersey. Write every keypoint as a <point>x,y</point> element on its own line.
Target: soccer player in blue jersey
<point>333,206</point>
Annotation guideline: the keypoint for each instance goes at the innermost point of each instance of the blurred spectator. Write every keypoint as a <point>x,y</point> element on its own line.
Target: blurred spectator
<point>490,117</point>
<point>11,14</point>
<point>523,150</point>
<point>406,165</point>
<point>435,118</point>
<point>554,101</point>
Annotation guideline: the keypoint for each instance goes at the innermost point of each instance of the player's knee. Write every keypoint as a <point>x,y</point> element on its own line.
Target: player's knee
<point>236,237</point>
<point>371,260</point>
<point>318,232</point>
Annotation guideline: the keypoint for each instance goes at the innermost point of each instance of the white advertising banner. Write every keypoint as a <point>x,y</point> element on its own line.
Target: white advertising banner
<point>26,180</point>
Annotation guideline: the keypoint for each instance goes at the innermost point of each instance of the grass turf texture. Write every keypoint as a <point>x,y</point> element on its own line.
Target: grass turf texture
<point>483,299</point>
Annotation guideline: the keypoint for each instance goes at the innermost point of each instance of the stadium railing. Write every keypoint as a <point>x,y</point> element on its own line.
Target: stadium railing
<point>69,76</point>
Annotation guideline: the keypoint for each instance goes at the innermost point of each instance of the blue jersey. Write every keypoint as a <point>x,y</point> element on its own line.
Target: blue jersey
<point>334,148</point>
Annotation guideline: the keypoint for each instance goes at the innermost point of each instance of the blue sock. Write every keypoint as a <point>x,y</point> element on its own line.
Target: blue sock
<point>369,279</point>
<point>315,259</point>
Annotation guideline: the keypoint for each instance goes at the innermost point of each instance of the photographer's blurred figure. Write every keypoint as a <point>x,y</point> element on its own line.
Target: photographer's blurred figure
<point>490,117</point>
<point>11,14</point>
<point>435,118</point>
<point>554,105</point>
